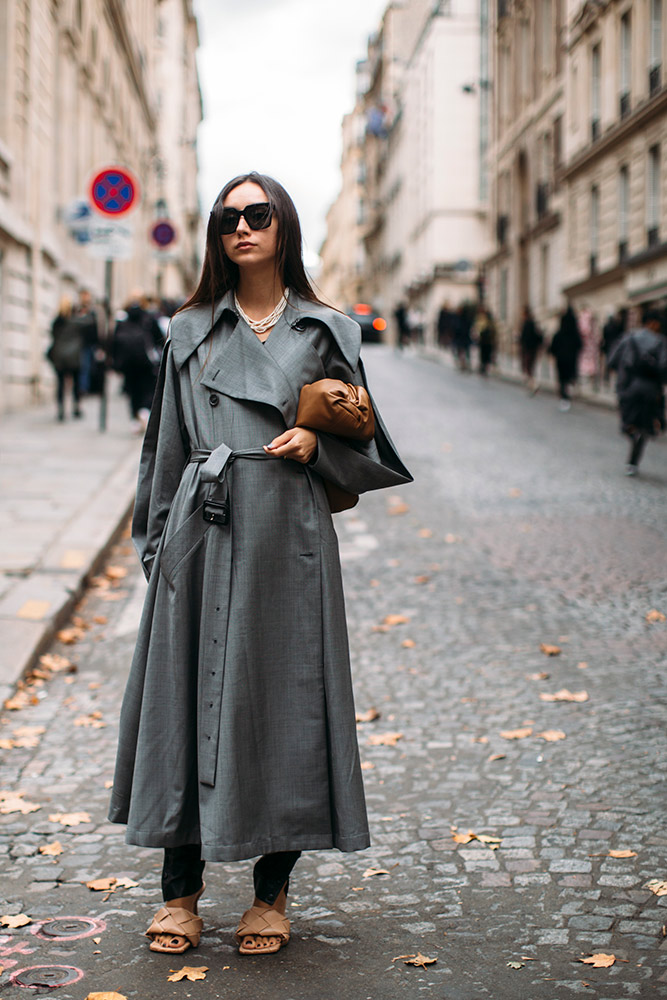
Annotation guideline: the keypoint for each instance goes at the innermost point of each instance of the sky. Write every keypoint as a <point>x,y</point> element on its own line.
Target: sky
<point>277,76</point>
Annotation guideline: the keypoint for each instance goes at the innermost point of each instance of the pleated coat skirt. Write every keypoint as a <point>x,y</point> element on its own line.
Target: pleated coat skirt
<point>237,729</point>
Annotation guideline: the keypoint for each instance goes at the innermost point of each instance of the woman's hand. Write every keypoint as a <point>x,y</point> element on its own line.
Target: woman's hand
<point>298,443</point>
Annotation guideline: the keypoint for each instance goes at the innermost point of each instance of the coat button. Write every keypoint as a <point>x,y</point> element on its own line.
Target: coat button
<point>213,399</point>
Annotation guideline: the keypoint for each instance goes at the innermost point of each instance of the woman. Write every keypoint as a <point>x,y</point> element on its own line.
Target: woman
<point>65,356</point>
<point>565,348</point>
<point>237,733</point>
<point>530,342</point>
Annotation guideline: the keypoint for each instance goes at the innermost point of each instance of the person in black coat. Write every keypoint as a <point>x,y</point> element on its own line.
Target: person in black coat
<point>530,342</point>
<point>565,348</point>
<point>640,359</point>
<point>136,353</point>
<point>65,356</point>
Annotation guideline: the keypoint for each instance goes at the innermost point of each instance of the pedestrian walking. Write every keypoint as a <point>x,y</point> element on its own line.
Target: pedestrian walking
<point>136,351</point>
<point>64,354</point>
<point>445,325</point>
<point>484,335</point>
<point>85,317</point>
<point>462,340</point>
<point>237,731</point>
<point>590,346</point>
<point>530,343</point>
<point>402,325</point>
<point>640,359</point>
<point>612,331</point>
<point>565,348</point>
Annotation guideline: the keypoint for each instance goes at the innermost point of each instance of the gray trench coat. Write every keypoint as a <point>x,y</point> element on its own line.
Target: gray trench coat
<point>237,729</point>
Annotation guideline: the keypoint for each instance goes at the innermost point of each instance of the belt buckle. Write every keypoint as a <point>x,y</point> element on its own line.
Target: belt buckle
<point>216,512</point>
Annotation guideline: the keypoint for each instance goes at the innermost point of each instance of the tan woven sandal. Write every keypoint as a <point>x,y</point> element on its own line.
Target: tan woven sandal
<point>182,927</point>
<point>257,923</point>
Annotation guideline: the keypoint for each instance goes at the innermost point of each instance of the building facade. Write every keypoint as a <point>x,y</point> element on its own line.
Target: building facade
<point>86,84</point>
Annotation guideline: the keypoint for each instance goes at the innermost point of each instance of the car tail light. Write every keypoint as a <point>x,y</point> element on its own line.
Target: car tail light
<point>379,324</point>
<point>361,309</point>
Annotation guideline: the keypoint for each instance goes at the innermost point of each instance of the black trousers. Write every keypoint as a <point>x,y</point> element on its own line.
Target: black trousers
<point>183,869</point>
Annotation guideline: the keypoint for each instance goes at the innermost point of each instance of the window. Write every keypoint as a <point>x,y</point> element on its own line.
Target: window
<point>653,197</point>
<point>623,212</point>
<point>544,274</point>
<point>595,92</point>
<point>626,64</point>
<point>655,47</point>
<point>594,228</point>
<point>547,36</point>
<point>502,295</point>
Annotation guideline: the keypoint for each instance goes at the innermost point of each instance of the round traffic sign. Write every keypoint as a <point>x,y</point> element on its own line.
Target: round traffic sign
<point>113,191</point>
<point>163,232</point>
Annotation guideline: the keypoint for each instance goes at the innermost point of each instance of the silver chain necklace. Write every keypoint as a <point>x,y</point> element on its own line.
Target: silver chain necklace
<point>262,325</point>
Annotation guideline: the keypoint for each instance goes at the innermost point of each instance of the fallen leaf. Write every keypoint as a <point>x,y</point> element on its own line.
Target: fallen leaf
<point>516,734</point>
<point>657,886</point>
<point>70,819</point>
<point>101,620</point>
<point>654,616</point>
<point>97,940</point>
<point>367,765</point>
<point>408,643</point>
<point>480,739</point>
<point>52,849</point>
<point>193,973</point>
<point>93,720</point>
<point>111,884</point>
<point>395,620</point>
<point>370,716</point>
<point>516,965</point>
<point>463,838</point>
<point>384,739</point>
<point>451,539</point>
<point>551,735</point>
<point>599,961</point>
<point>425,533</point>
<point>565,695</point>
<point>68,636</point>
<point>398,508</point>
<point>55,662</point>
<point>514,492</point>
<point>418,959</point>
<point>115,572</point>
<point>496,756</point>
<point>20,920</point>
<point>583,665</point>
<point>622,854</point>
<point>542,675</point>
<point>11,802</point>
<point>550,650</point>
<point>28,732</point>
<point>106,996</point>
<point>79,622</point>
<point>375,871</point>
<point>422,579</point>
<point>20,700</point>
<point>491,842</point>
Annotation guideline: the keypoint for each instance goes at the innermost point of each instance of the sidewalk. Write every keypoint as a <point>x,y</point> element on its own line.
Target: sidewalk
<point>65,491</point>
<point>508,369</point>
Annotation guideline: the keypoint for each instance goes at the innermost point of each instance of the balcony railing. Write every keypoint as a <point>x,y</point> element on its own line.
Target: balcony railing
<point>654,79</point>
<point>595,129</point>
<point>624,104</point>
<point>622,251</point>
<point>593,263</point>
<point>653,236</point>
<point>502,229</point>
<point>542,199</point>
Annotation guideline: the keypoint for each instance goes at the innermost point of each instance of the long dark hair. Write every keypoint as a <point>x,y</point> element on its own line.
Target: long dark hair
<point>219,273</point>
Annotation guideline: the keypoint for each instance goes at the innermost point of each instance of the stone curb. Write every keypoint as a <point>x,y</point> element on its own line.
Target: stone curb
<point>103,520</point>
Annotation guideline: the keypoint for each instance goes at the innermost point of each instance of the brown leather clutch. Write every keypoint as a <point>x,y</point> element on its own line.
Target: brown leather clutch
<point>338,408</point>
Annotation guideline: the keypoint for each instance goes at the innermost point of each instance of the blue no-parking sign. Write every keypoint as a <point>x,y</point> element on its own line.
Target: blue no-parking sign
<point>114,191</point>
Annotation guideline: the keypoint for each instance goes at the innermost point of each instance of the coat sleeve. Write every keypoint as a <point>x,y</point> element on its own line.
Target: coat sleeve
<point>163,456</point>
<point>358,466</point>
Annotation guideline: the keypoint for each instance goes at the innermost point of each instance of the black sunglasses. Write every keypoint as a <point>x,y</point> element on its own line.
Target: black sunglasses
<point>257,216</point>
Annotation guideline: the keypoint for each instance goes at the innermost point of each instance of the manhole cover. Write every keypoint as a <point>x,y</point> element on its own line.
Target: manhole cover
<point>69,928</point>
<point>47,975</point>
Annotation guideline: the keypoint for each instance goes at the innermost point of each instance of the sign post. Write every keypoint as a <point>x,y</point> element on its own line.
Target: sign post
<point>113,192</point>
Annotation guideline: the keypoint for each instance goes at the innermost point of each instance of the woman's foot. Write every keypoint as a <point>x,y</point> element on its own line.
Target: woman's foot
<point>264,928</point>
<point>176,926</point>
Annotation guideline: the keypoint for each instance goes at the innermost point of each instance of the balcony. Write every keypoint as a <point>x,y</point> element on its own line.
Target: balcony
<point>654,79</point>
<point>624,104</point>
<point>502,229</point>
<point>622,251</point>
<point>595,129</point>
<point>503,8</point>
<point>652,236</point>
<point>542,199</point>
<point>593,263</point>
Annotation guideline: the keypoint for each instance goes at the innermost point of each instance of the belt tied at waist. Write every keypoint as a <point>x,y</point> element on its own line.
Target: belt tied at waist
<point>216,508</point>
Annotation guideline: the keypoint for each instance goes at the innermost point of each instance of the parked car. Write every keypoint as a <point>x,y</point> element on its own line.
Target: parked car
<point>371,323</point>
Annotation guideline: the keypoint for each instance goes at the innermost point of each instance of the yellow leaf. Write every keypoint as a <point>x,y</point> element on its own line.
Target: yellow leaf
<point>55,662</point>
<point>463,838</point>
<point>422,579</point>
<point>367,766</point>
<point>496,756</point>
<point>111,884</point>
<point>370,716</point>
<point>11,802</point>
<point>395,619</point>
<point>657,886</point>
<point>52,849</point>
<point>418,959</point>
<point>93,721</point>
<point>565,695</point>
<point>599,961</point>
<point>550,650</point>
<point>398,508</point>
<point>115,572</point>
<point>20,920</point>
<point>188,972</point>
<point>551,735</point>
<point>654,616</point>
<point>375,871</point>
<point>101,620</point>
<point>106,996</point>
<point>70,819</point>
<point>425,533</point>
<point>384,739</point>
<point>516,734</point>
<point>408,643</point>
<point>622,854</point>
<point>68,636</point>
<point>583,665</point>
<point>542,675</point>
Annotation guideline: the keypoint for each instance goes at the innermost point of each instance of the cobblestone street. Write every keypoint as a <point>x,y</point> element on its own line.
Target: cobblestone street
<point>520,531</point>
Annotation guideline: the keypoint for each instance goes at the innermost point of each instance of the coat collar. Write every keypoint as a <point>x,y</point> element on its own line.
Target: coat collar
<point>190,327</point>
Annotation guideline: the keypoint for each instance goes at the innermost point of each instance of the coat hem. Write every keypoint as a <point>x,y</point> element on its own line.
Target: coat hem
<point>241,852</point>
